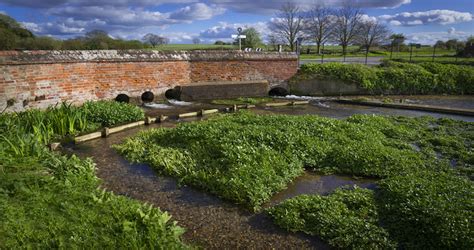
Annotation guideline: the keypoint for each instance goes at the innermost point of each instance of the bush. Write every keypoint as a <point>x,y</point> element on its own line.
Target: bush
<point>347,219</point>
<point>110,113</point>
<point>397,78</point>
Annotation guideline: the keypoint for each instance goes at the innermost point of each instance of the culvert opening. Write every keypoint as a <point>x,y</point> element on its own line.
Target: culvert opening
<point>278,91</point>
<point>122,98</point>
<point>173,94</point>
<point>148,96</point>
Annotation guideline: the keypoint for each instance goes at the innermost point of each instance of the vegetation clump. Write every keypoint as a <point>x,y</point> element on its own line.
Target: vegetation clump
<point>347,219</point>
<point>397,78</point>
<point>48,200</point>
<point>246,158</point>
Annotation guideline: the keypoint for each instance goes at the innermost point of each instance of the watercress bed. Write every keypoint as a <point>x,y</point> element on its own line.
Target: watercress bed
<point>246,158</point>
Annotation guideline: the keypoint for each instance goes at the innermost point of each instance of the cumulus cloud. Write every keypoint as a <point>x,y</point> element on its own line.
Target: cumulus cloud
<point>198,11</point>
<point>224,31</point>
<point>115,19</point>
<point>269,7</point>
<point>432,37</point>
<point>443,17</point>
<point>55,3</point>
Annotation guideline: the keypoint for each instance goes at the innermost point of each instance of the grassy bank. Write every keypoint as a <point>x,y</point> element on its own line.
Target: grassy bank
<point>48,200</point>
<point>247,158</point>
<point>396,78</point>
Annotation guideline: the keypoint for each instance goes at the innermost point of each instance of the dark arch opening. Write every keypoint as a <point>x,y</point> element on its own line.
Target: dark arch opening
<point>278,91</point>
<point>174,94</point>
<point>148,96</point>
<point>122,98</point>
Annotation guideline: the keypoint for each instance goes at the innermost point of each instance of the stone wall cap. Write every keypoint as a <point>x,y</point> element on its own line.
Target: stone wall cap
<point>78,56</point>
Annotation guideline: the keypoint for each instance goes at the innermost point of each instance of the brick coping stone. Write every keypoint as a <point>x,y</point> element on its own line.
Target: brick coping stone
<point>77,56</point>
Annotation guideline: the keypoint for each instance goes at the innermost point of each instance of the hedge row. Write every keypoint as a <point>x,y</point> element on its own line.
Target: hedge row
<point>398,78</point>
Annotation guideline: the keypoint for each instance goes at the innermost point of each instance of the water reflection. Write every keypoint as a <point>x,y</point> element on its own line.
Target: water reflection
<point>312,183</point>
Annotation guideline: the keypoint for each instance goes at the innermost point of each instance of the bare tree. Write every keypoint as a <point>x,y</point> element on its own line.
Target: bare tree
<point>196,40</point>
<point>347,25</point>
<point>372,33</point>
<point>288,24</point>
<point>273,41</point>
<point>154,40</point>
<point>319,25</point>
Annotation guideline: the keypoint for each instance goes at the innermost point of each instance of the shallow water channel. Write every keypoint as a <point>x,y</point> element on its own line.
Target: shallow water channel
<point>209,221</point>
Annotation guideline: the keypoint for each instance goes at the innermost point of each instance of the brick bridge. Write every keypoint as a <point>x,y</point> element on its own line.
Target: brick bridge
<point>37,79</point>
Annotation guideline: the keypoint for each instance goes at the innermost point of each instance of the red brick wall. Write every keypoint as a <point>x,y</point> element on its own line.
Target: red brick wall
<point>40,79</point>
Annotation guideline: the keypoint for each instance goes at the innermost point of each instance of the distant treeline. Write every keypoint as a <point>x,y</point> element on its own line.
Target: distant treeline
<point>14,36</point>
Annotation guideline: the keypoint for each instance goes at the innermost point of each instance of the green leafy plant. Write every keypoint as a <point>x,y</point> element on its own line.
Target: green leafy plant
<point>110,113</point>
<point>397,78</point>
<point>347,219</point>
<point>48,200</point>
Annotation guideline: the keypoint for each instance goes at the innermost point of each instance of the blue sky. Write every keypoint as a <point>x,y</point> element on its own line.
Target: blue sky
<point>423,21</point>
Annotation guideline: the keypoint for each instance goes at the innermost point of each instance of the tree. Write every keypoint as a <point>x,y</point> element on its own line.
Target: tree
<point>288,24</point>
<point>7,39</point>
<point>154,40</point>
<point>452,44</point>
<point>347,25</point>
<point>398,40</point>
<point>319,25</point>
<point>252,39</point>
<point>196,40</point>
<point>273,41</point>
<point>440,44</point>
<point>373,33</point>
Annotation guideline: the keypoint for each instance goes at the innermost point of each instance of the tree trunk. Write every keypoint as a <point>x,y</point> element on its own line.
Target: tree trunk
<point>344,49</point>
<point>318,48</point>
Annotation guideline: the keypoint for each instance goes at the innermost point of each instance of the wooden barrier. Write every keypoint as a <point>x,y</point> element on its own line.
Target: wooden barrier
<point>188,115</point>
<point>436,109</point>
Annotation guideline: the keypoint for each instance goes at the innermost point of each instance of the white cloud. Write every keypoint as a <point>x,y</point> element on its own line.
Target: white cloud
<point>432,37</point>
<point>198,11</point>
<point>269,7</point>
<point>395,23</point>
<point>224,31</point>
<point>443,17</point>
<point>74,20</point>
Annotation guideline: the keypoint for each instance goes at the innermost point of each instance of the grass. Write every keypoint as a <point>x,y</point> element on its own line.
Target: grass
<point>48,200</point>
<point>242,101</point>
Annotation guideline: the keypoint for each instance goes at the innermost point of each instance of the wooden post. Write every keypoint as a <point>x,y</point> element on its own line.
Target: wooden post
<point>148,120</point>
<point>162,118</point>
<point>105,132</point>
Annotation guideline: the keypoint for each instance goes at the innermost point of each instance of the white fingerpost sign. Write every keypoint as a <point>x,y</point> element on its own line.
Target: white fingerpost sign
<point>240,37</point>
